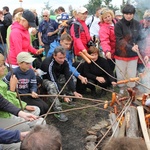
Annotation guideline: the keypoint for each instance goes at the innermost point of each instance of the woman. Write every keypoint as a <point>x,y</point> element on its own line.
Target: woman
<point>107,35</point>
<point>96,75</point>
<point>127,32</point>
<point>20,38</point>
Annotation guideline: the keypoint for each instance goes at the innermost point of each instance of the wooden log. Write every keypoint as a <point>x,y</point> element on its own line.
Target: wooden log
<point>113,121</point>
<point>131,122</point>
<point>122,129</point>
<point>143,126</point>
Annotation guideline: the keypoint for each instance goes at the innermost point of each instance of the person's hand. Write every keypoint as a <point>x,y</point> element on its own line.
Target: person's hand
<point>146,59</point>
<point>66,99</point>
<point>135,48</point>
<point>27,116</point>
<point>108,55</point>
<point>114,83</point>
<point>34,95</point>
<point>50,33</point>
<point>23,135</point>
<point>39,51</point>
<point>76,94</point>
<point>83,79</point>
<point>13,83</point>
<point>100,79</point>
<point>30,108</point>
<point>41,43</point>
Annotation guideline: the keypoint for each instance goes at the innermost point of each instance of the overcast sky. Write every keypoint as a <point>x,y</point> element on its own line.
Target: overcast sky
<point>39,4</point>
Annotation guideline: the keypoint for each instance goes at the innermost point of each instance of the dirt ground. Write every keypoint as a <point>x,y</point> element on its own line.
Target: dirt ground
<point>75,129</point>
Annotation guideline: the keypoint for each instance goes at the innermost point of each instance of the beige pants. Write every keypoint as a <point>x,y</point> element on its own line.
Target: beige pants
<point>126,70</point>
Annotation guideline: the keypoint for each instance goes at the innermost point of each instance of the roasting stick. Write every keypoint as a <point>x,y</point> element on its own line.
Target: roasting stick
<point>122,112</point>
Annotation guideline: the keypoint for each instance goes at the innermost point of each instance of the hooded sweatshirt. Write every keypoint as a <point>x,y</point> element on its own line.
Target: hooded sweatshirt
<point>19,42</point>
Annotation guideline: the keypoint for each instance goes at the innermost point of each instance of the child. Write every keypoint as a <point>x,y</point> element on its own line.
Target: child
<point>27,81</point>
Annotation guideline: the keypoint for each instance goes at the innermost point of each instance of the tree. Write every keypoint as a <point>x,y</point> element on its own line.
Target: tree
<point>92,5</point>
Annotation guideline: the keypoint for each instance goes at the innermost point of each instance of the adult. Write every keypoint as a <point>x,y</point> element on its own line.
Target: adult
<point>80,35</point>
<point>44,137</point>
<point>96,75</point>
<point>20,38</point>
<point>47,31</point>
<point>15,17</point>
<point>6,21</point>
<point>92,22</point>
<point>127,32</point>
<point>107,35</point>
<point>65,42</point>
<point>57,70</point>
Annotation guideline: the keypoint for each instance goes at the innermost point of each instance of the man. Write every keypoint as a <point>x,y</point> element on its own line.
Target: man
<point>92,22</point>
<point>43,137</point>
<point>80,35</point>
<point>5,22</point>
<point>47,32</point>
<point>57,69</point>
<point>65,42</point>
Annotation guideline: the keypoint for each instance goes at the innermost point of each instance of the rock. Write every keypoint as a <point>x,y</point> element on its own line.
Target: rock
<point>91,132</point>
<point>90,146</point>
<point>91,138</point>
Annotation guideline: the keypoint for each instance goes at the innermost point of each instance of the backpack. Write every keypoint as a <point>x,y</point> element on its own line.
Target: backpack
<point>66,26</point>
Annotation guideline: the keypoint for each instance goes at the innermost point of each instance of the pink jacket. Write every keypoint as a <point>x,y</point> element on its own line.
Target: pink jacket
<point>107,38</point>
<point>19,41</point>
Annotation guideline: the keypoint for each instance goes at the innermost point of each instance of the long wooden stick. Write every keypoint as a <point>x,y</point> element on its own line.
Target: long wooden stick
<point>68,96</point>
<point>63,111</point>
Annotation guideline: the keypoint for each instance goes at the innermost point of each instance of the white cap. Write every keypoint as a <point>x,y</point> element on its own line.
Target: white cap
<point>81,9</point>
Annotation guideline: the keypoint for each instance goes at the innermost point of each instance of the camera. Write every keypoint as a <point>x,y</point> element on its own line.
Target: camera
<point>90,43</point>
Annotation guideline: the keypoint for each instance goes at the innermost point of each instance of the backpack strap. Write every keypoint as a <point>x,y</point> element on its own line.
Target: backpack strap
<point>89,26</point>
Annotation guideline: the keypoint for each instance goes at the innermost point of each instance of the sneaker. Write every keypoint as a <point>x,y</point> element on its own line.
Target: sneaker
<point>61,117</point>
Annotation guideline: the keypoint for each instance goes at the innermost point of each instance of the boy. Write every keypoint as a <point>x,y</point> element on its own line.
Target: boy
<point>27,81</point>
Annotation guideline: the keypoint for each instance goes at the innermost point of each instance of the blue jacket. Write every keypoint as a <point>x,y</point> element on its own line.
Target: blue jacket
<point>8,136</point>
<point>69,57</point>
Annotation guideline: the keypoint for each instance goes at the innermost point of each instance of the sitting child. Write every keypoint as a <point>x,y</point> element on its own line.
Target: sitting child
<point>27,81</point>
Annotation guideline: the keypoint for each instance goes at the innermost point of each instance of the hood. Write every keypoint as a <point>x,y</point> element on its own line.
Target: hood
<point>16,25</point>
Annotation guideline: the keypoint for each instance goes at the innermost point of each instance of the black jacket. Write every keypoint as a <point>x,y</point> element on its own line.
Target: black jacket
<point>127,34</point>
<point>54,70</point>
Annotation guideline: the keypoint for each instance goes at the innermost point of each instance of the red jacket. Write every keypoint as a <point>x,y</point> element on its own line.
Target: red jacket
<point>107,38</point>
<point>80,35</point>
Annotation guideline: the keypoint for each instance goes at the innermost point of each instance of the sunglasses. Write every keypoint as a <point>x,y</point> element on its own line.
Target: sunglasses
<point>44,15</point>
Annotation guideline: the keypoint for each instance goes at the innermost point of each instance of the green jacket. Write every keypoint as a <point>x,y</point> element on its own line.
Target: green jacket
<point>11,97</point>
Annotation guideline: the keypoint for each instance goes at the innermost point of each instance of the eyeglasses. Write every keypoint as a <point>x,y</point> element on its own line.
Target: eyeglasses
<point>44,15</point>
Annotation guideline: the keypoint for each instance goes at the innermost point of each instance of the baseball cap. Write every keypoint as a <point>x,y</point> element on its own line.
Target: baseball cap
<point>25,57</point>
<point>81,10</point>
<point>61,17</point>
<point>29,16</point>
<point>118,13</point>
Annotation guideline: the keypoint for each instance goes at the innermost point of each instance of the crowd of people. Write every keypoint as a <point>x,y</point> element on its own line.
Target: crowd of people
<point>72,50</point>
